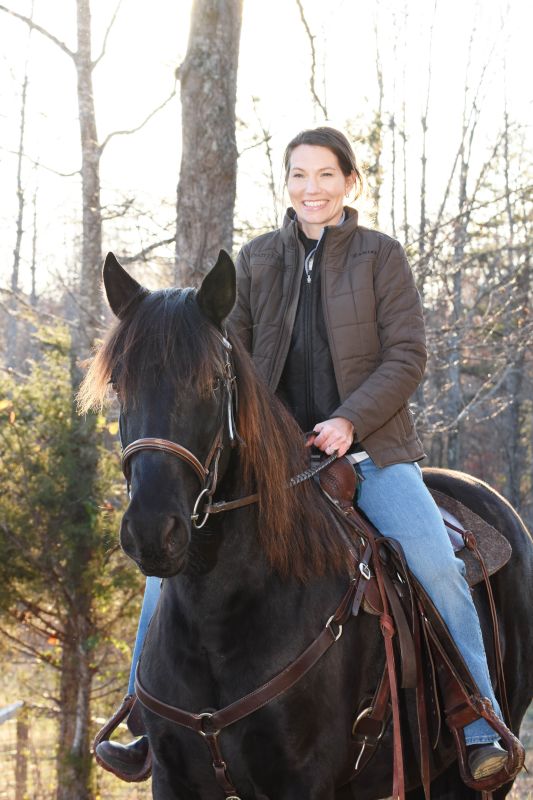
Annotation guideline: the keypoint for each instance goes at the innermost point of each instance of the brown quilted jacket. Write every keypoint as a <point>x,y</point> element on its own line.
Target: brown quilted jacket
<point>373,317</point>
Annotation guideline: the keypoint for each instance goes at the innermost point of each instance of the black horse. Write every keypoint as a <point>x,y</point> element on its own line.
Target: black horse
<point>244,596</point>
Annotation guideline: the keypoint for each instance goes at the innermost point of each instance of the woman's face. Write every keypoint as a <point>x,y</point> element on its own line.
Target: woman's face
<point>317,187</point>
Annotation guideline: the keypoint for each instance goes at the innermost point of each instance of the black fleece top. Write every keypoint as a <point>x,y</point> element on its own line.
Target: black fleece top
<point>307,384</point>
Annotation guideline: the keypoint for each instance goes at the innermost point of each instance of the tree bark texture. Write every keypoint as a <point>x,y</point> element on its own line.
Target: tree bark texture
<point>12,324</point>
<point>207,181</point>
<point>21,759</point>
<point>74,759</point>
<point>90,300</point>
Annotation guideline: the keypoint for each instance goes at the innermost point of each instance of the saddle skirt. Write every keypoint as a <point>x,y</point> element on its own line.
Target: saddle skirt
<point>494,547</point>
<point>339,482</point>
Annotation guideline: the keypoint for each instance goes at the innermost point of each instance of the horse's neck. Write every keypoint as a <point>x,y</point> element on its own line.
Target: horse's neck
<point>241,589</point>
<point>224,560</point>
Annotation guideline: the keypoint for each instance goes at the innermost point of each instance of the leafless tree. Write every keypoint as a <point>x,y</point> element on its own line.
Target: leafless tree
<point>208,171</point>
<point>318,103</point>
<point>74,761</point>
<point>12,325</point>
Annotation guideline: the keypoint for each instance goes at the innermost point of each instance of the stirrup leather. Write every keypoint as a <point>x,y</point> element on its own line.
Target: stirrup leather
<point>104,734</point>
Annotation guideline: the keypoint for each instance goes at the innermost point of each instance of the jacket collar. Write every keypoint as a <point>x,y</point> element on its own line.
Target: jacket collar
<point>337,234</point>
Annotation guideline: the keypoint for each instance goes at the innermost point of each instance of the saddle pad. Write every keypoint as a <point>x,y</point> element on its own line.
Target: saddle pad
<point>494,547</point>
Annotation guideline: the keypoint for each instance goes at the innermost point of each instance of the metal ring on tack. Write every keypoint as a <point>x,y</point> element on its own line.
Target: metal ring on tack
<point>207,715</point>
<point>366,712</point>
<point>336,636</point>
<point>195,515</point>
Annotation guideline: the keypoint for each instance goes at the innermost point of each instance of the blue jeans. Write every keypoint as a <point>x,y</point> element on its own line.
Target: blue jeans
<point>396,500</point>
<point>151,596</point>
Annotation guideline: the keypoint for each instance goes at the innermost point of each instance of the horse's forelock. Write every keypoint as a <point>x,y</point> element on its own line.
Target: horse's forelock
<point>165,332</point>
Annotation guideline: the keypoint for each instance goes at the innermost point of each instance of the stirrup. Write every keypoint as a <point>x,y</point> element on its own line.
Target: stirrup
<point>104,734</point>
<point>460,716</point>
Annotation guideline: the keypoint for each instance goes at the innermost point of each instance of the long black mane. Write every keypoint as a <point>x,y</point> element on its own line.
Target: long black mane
<point>167,332</point>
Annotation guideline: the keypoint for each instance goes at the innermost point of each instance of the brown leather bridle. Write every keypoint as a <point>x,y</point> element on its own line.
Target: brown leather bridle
<point>207,472</point>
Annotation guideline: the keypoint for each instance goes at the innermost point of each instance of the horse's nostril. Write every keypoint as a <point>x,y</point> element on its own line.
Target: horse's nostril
<point>173,543</point>
<point>127,536</point>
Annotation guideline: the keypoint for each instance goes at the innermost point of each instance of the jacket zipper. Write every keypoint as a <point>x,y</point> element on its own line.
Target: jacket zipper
<point>308,343</point>
<point>308,334</point>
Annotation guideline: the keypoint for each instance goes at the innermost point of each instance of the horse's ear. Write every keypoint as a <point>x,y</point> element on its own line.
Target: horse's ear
<point>216,296</point>
<point>120,288</point>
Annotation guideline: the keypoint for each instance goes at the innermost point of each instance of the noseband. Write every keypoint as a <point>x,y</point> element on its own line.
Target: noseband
<point>207,472</point>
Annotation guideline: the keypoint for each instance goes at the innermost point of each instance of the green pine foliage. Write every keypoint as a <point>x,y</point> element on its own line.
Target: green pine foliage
<point>59,554</point>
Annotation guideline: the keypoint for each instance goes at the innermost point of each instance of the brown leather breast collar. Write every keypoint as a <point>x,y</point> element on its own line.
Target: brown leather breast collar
<point>209,724</point>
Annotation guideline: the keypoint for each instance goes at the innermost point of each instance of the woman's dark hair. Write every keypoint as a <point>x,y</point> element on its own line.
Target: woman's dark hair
<point>335,141</point>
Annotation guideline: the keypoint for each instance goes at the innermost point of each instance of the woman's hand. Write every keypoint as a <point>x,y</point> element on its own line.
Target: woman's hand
<point>334,434</point>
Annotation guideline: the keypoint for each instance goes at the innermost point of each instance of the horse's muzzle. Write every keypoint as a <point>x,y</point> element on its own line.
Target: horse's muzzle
<point>157,543</point>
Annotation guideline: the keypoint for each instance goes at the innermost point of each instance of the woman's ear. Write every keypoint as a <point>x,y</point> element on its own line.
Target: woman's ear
<point>350,183</point>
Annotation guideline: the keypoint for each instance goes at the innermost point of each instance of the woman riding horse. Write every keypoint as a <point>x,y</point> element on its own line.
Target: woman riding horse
<point>331,315</point>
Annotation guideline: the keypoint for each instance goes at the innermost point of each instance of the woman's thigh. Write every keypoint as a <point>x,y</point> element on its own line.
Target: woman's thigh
<point>397,502</point>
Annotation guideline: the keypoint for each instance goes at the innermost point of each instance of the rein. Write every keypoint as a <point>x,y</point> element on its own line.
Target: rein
<point>209,724</point>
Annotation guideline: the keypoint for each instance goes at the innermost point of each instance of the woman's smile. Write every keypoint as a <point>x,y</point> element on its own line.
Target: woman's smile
<point>317,186</point>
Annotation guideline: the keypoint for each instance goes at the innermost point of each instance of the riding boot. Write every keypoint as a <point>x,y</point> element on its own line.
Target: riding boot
<point>485,767</point>
<point>485,760</point>
<point>131,762</point>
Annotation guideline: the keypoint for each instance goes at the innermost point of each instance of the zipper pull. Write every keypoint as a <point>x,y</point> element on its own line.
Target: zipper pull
<point>308,277</point>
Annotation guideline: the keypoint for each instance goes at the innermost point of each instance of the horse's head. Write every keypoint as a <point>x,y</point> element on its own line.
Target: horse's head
<point>171,366</point>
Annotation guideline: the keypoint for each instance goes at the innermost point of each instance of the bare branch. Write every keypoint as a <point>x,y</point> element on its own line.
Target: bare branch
<point>267,136</point>
<point>142,124</point>
<point>468,119</point>
<point>34,26</point>
<point>40,165</point>
<point>108,31</point>
<point>312,79</point>
<point>140,256</point>
<point>26,649</point>
<point>40,314</point>
<point>251,147</point>
<point>424,121</point>
<point>120,210</point>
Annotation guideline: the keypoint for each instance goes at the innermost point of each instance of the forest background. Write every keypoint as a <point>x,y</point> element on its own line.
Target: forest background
<point>106,108</point>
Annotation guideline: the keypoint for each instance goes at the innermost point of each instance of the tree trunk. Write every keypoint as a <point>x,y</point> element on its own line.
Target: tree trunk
<point>207,182</point>
<point>74,759</point>
<point>21,759</point>
<point>90,303</point>
<point>376,137</point>
<point>74,756</point>
<point>12,324</point>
